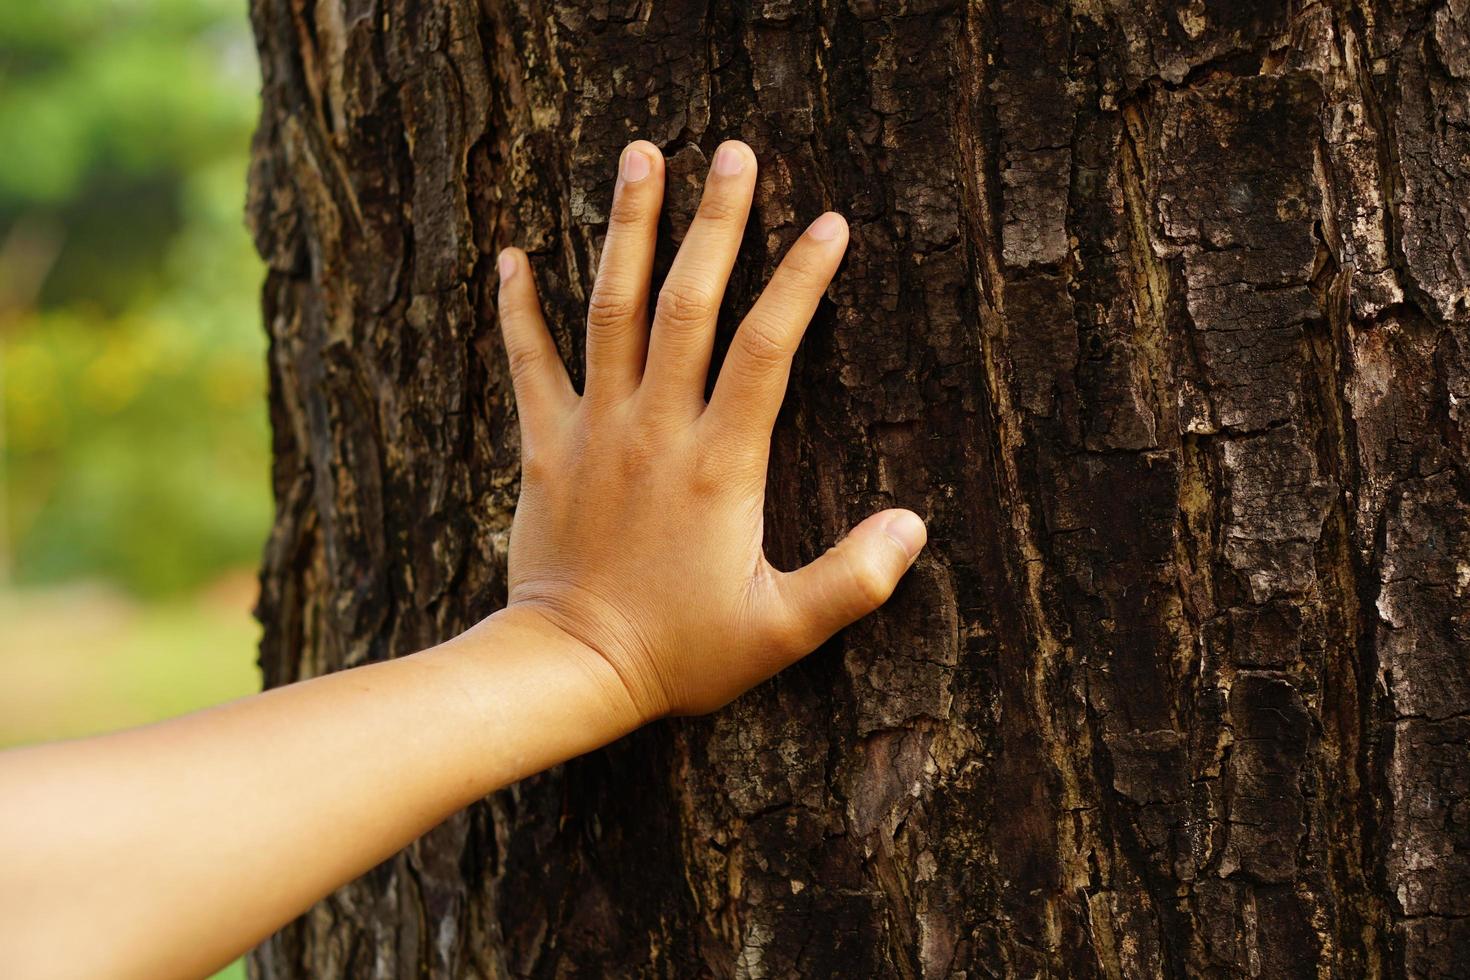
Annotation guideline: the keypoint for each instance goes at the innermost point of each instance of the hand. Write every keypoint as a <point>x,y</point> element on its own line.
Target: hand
<point>639,527</point>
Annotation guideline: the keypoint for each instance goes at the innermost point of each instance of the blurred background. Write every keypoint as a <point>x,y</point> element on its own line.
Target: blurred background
<point>134,492</point>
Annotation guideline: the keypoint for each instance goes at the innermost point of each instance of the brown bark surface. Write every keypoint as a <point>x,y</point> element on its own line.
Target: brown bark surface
<point>1158,311</point>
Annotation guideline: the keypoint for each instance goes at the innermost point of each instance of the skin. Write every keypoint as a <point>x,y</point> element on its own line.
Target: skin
<point>638,589</point>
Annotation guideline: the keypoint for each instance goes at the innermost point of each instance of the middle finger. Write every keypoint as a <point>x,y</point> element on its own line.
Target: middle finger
<point>683,332</point>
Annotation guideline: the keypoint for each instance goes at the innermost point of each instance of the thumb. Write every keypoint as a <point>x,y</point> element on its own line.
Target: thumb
<point>854,576</point>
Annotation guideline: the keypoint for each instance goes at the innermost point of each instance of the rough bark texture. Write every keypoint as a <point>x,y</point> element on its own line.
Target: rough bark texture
<point>1158,311</point>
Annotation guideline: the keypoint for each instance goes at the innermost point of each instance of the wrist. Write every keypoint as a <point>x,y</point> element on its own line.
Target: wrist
<point>599,683</point>
<point>521,695</point>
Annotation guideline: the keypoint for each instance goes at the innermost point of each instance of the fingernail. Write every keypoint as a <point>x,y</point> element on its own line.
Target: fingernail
<point>636,165</point>
<point>507,265</point>
<point>729,161</point>
<point>827,227</point>
<point>908,530</point>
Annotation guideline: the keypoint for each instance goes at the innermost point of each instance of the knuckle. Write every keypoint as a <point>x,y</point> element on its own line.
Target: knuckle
<point>610,307</point>
<point>868,582</point>
<point>510,309</point>
<point>524,360</point>
<point>637,460</point>
<point>763,343</point>
<point>682,304</point>
<point>804,268</point>
<point>709,476</point>
<point>534,466</point>
<point>705,485</point>
<point>628,207</point>
<point>719,208</point>
<point>543,460</point>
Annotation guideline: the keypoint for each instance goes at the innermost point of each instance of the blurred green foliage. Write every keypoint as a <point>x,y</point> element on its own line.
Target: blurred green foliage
<point>133,437</point>
<point>134,447</point>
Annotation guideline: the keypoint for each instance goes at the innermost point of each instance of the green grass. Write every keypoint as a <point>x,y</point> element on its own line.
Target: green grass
<point>84,659</point>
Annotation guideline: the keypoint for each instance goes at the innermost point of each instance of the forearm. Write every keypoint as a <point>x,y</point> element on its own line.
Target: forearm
<point>222,825</point>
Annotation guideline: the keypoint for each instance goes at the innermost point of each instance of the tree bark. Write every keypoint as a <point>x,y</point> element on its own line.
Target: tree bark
<point>1158,312</point>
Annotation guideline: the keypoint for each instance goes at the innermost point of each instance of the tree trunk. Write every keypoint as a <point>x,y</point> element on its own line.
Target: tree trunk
<point>1158,312</point>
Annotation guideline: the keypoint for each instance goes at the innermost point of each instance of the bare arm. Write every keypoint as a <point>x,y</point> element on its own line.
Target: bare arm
<point>166,851</point>
<point>638,588</point>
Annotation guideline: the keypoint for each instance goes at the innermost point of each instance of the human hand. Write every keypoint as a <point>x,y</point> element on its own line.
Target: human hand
<point>639,528</point>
